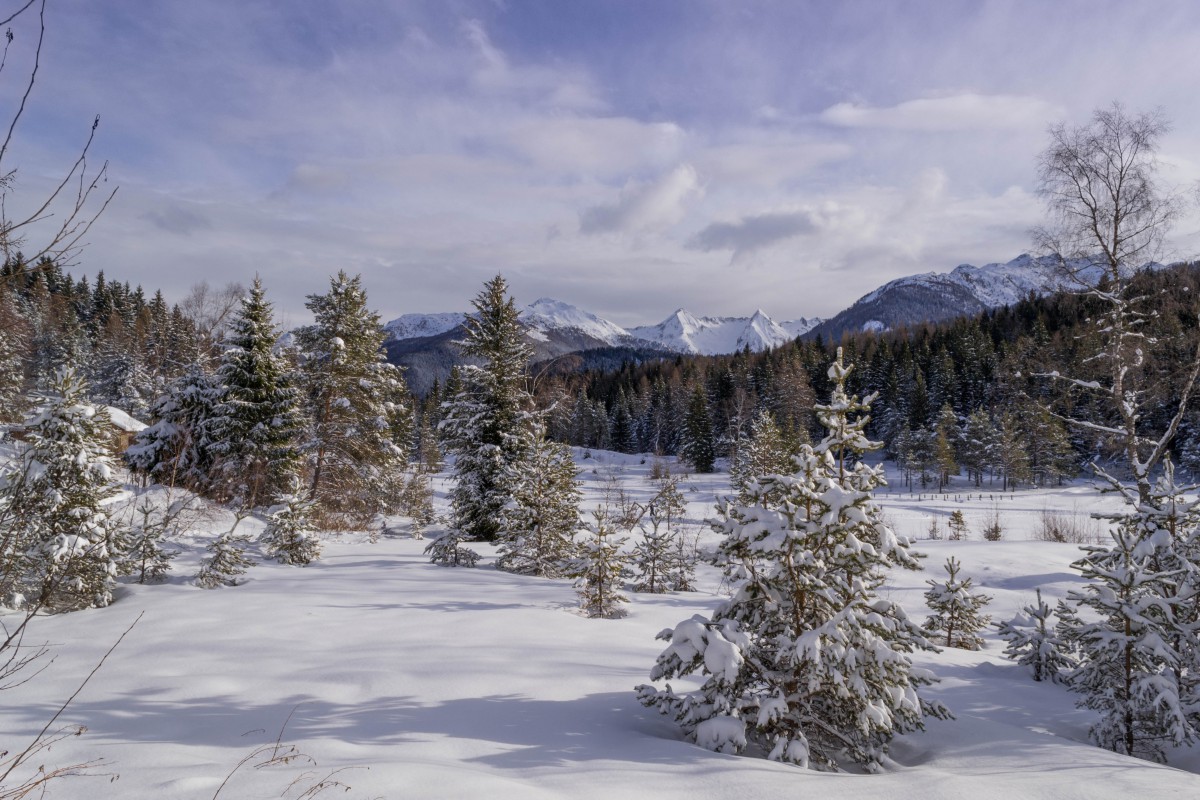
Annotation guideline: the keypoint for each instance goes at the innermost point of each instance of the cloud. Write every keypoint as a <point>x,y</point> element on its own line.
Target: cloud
<point>958,112</point>
<point>753,232</point>
<point>645,206</point>
<point>176,219</point>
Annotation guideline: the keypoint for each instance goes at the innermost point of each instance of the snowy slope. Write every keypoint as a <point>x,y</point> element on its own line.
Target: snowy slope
<point>686,333</point>
<point>547,315</point>
<point>547,319</point>
<point>965,290</point>
<point>414,326</point>
<point>425,682</point>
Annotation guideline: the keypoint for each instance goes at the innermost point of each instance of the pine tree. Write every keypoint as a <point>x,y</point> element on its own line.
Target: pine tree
<point>765,453</point>
<point>351,393</point>
<point>1137,648</point>
<point>416,503</point>
<point>448,551</point>
<point>653,556</point>
<point>946,445</point>
<point>1038,647</point>
<point>681,568</point>
<point>227,560</point>
<point>56,532</point>
<point>956,610</point>
<point>489,424</point>
<point>601,567</point>
<point>147,557</point>
<point>699,447</point>
<point>539,525</point>
<point>255,430</point>
<point>290,536</point>
<point>957,525</point>
<point>175,449</point>
<point>804,660</point>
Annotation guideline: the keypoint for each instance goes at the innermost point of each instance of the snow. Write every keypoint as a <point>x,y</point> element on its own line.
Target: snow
<point>426,682</point>
<point>681,332</point>
<point>124,421</point>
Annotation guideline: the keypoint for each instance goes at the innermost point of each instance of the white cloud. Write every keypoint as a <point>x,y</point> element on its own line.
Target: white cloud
<point>645,207</point>
<point>959,112</point>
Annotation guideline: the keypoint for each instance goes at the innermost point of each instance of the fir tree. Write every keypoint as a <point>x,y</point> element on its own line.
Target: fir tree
<point>804,660</point>
<point>601,567</point>
<point>955,608</point>
<point>957,525</point>
<point>254,431</point>
<point>416,503</point>
<point>765,453</point>
<point>351,394</point>
<point>653,557</point>
<point>175,449</point>
<point>699,447</point>
<point>147,557</point>
<point>1137,647</point>
<point>1038,647</point>
<point>448,551</point>
<point>290,536</point>
<point>537,535</point>
<point>489,423</point>
<point>227,560</point>
<point>56,531</point>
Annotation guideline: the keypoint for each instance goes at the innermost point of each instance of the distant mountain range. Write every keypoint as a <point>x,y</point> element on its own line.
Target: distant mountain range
<point>425,342</point>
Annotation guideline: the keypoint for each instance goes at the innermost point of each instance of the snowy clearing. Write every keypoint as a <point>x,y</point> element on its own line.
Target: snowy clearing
<point>421,681</point>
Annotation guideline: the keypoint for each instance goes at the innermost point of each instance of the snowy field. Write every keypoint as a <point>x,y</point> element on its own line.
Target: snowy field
<point>416,681</point>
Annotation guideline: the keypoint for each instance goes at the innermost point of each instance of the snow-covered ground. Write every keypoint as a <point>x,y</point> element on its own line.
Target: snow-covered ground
<point>420,681</point>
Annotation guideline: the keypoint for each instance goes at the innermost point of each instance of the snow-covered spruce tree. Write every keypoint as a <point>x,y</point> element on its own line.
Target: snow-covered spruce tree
<point>147,557</point>
<point>653,556</point>
<point>1137,645</point>
<point>290,536</point>
<point>957,525</point>
<point>57,534</point>
<point>805,660</point>
<point>681,569</point>
<point>416,503</point>
<point>350,392</point>
<point>601,568</point>
<point>227,560</point>
<point>766,452</point>
<point>174,450</point>
<point>699,446</point>
<point>448,551</point>
<point>539,525</point>
<point>955,608</point>
<point>1038,647</point>
<point>489,424</point>
<point>255,430</point>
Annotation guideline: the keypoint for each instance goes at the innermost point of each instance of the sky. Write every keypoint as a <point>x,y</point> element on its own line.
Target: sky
<point>627,156</point>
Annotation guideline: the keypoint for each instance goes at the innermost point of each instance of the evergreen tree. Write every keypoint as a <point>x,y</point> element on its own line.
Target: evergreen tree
<point>1137,647</point>
<point>448,551</point>
<point>957,525</point>
<point>56,532</point>
<point>175,449</point>
<point>416,503</point>
<point>804,660</point>
<point>290,536</point>
<point>539,525</point>
<point>653,556</point>
<point>956,610</point>
<point>489,424</point>
<point>699,447</point>
<point>351,393</point>
<point>1038,647</point>
<point>255,429</point>
<point>147,557</point>
<point>946,445</point>
<point>601,567</point>
<point>765,453</point>
<point>227,561</point>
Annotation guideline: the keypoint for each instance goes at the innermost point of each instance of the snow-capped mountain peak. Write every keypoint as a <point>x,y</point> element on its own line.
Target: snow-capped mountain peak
<point>546,314</point>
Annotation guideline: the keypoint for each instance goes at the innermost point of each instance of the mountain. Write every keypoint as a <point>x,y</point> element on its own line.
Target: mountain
<point>415,326</point>
<point>934,296</point>
<point>684,332</point>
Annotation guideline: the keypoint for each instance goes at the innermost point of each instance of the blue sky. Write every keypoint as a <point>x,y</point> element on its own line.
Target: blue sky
<point>628,157</point>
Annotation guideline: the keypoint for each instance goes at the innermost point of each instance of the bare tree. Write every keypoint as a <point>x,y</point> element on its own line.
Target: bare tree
<point>211,309</point>
<point>67,211</point>
<point>1109,217</point>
